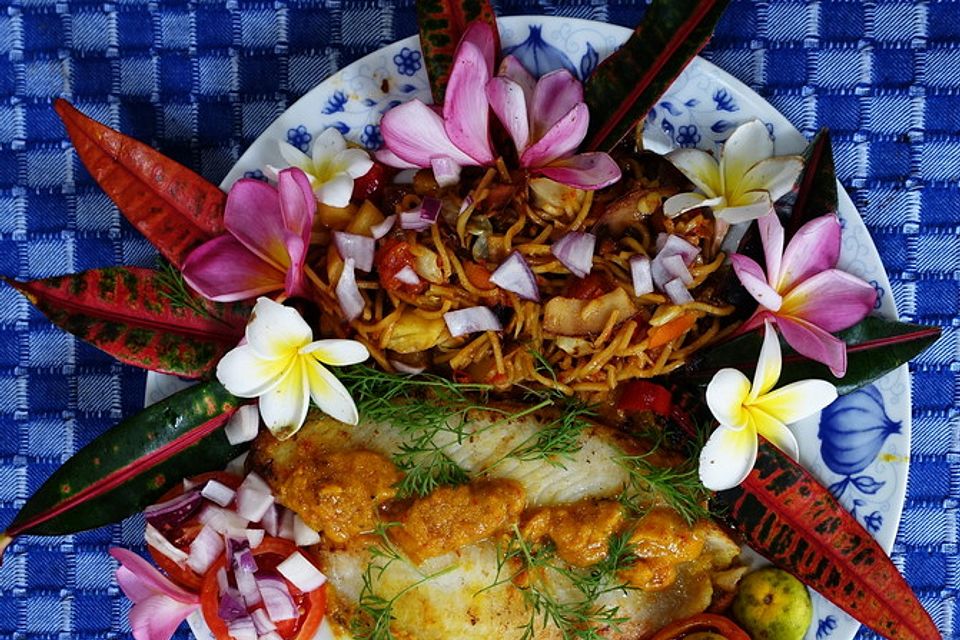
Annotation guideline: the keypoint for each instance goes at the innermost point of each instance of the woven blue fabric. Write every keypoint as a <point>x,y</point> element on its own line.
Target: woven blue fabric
<point>200,80</point>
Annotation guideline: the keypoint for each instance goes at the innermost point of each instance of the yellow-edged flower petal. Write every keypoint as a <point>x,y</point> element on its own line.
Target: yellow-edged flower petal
<point>749,206</point>
<point>747,146</point>
<point>775,431</point>
<point>338,353</point>
<point>726,393</point>
<point>768,363</point>
<point>728,457</point>
<point>328,393</point>
<point>797,400</point>
<point>276,331</point>
<point>775,175</point>
<point>675,205</point>
<point>245,374</point>
<point>701,168</point>
<point>284,408</point>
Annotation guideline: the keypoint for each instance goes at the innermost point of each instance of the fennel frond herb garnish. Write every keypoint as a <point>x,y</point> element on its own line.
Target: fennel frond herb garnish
<point>176,290</point>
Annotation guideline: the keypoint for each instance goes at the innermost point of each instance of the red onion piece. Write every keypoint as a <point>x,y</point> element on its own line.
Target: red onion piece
<point>301,572</point>
<point>205,548</point>
<point>218,493</point>
<point>253,498</point>
<point>411,220</point>
<point>270,635</point>
<point>466,203</point>
<point>243,425</point>
<point>348,293</point>
<point>222,520</point>
<point>242,629</point>
<point>675,245</point>
<point>241,557</point>
<point>661,240</point>
<point>514,275</point>
<point>286,524</point>
<point>677,268</point>
<point>271,520</point>
<point>254,537</point>
<point>247,585</point>
<point>237,466</point>
<point>677,292</point>
<point>223,584</point>
<point>360,248</point>
<point>470,320</point>
<point>303,535</point>
<point>172,513</point>
<point>430,209</point>
<point>575,251</point>
<point>231,606</point>
<point>641,274</point>
<point>157,540</point>
<point>382,229</point>
<point>403,367</point>
<point>408,276</point>
<point>445,171</point>
<point>262,621</point>
<point>277,599</point>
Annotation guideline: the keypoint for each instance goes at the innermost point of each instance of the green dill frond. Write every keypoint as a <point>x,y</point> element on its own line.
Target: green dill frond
<point>176,291</point>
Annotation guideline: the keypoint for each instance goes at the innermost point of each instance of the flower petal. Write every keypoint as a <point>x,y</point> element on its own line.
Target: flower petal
<point>771,236</point>
<point>276,331</point>
<point>294,157</point>
<point>391,159</point>
<point>295,282</point>
<point>297,203</point>
<point>588,171</point>
<point>224,270</point>
<point>700,168</point>
<point>510,106</point>
<point>355,162</point>
<point>561,140</point>
<point>338,353</point>
<point>775,175</point>
<point>776,432</point>
<point>833,300</point>
<point>480,35</point>
<point>329,143</point>
<point>148,580</point>
<point>158,617</point>
<point>769,363</point>
<point>329,394</point>
<point>247,375</point>
<point>284,408</point>
<point>725,396</point>
<point>415,133</point>
<point>812,342</point>
<point>252,214</point>
<point>747,145</point>
<point>751,206</point>
<point>795,401</point>
<point>681,203</point>
<point>554,96</point>
<point>727,458</point>
<point>336,191</point>
<point>466,111</point>
<point>814,248</point>
<point>754,280</point>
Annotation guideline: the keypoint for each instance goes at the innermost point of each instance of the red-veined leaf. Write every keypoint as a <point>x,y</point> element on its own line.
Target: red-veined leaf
<point>173,207</point>
<point>625,86</point>
<point>140,317</point>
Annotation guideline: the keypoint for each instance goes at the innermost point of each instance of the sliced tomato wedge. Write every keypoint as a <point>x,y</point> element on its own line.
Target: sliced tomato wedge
<point>702,623</point>
<point>271,552</point>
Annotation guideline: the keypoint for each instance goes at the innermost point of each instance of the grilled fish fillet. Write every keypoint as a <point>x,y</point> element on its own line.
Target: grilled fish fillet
<point>337,478</point>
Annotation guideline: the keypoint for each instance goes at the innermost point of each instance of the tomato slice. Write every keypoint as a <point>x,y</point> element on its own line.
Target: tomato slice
<point>704,622</point>
<point>270,553</point>
<point>185,576</point>
<point>642,395</point>
<point>392,256</point>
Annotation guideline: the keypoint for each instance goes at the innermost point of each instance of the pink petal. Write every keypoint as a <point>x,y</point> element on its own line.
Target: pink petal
<point>833,300</point>
<point>480,35</point>
<point>510,105</point>
<point>756,320</point>
<point>754,281</point>
<point>253,215</point>
<point>814,343</point>
<point>294,283</point>
<point>297,202</point>
<point>466,112</point>
<point>415,133</point>
<point>391,159</point>
<point>587,171</point>
<point>224,270</point>
<point>771,236</point>
<point>814,248</point>
<point>561,140</point>
<point>143,579</point>
<point>554,96</point>
<point>158,617</point>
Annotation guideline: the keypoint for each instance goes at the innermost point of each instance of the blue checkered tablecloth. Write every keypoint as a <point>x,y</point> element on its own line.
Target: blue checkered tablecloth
<point>200,80</point>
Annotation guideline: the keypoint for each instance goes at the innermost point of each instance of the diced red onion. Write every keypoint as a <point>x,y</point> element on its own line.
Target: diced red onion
<point>188,484</point>
<point>237,466</point>
<point>675,245</point>
<point>205,548</point>
<point>403,367</point>
<point>174,512</point>
<point>411,220</point>
<point>218,493</point>
<point>445,171</point>
<point>430,209</point>
<point>223,582</point>
<point>661,240</point>
<point>254,537</point>
<point>382,229</point>
<point>360,248</point>
<point>247,585</point>
<point>466,203</point>
<point>514,275</point>
<point>253,498</point>
<point>231,606</point>
<point>641,274</point>
<point>470,320</point>
<point>243,425</point>
<point>348,293</point>
<point>262,621</point>
<point>241,556</point>
<point>242,629</point>
<point>157,540</point>
<point>575,251</point>
<point>271,635</point>
<point>222,520</point>
<point>303,535</point>
<point>677,292</point>
<point>271,520</point>
<point>676,267</point>
<point>277,599</point>
<point>286,524</point>
<point>301,572</point>
<point>408,276</point>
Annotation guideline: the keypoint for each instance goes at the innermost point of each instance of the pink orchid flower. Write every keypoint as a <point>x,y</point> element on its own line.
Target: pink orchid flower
<point>159,606</point>
<point>803,292</point>
<point>418,136</point>
<point>548,119</point>
<point>266,244</point>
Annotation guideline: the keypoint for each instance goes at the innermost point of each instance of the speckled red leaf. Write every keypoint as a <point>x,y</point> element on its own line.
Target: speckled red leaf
<point>173,207</point>
<point>134,315</point>
<point>442,23</point>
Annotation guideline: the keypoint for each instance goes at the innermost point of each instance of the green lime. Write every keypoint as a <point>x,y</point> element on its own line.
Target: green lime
<point>773,605</point>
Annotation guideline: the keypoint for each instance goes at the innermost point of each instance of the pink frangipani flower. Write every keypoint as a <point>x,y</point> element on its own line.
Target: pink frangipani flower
<point>264,249</point>
<point>803,292</point>
<point>159,606</point>
<point>416,135</point>
<point>547,120</point>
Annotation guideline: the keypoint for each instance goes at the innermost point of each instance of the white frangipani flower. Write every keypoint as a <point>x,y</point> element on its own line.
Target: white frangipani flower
<point>743,184</point>
<point>281,364</point>
<point>746,410</point>
<point>331,166</point>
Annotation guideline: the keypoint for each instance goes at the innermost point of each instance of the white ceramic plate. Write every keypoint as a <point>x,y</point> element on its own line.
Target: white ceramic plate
<point>701,108</point>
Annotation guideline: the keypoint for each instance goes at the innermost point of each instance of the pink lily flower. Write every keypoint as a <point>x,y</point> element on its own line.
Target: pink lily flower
<point>159,606</point>
<point>265,247</point>
<point>803,293</point>
<point>548,119</point>
<point>418,136</point>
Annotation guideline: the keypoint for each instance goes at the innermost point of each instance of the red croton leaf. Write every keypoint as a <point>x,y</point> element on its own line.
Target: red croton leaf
<point>173,207</point>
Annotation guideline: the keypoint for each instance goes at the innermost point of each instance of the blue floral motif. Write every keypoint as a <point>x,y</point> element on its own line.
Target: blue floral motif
<point>853,430</point>
<point>335,103</point>
<point>724,101</point>
<point>342,127</point>
<point>589,62</point>
<point>722,126</point>
<point>880,293</point>
<point>825,627</point>
<point>300,138</point>
<point>688,135</point>
<point>873,522</point>
<point>408,61</point>
<point>669,108</point>
<point>668,128</point>
<point>371,137</point>
<point>537,56</point>
<point>256,174</point>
